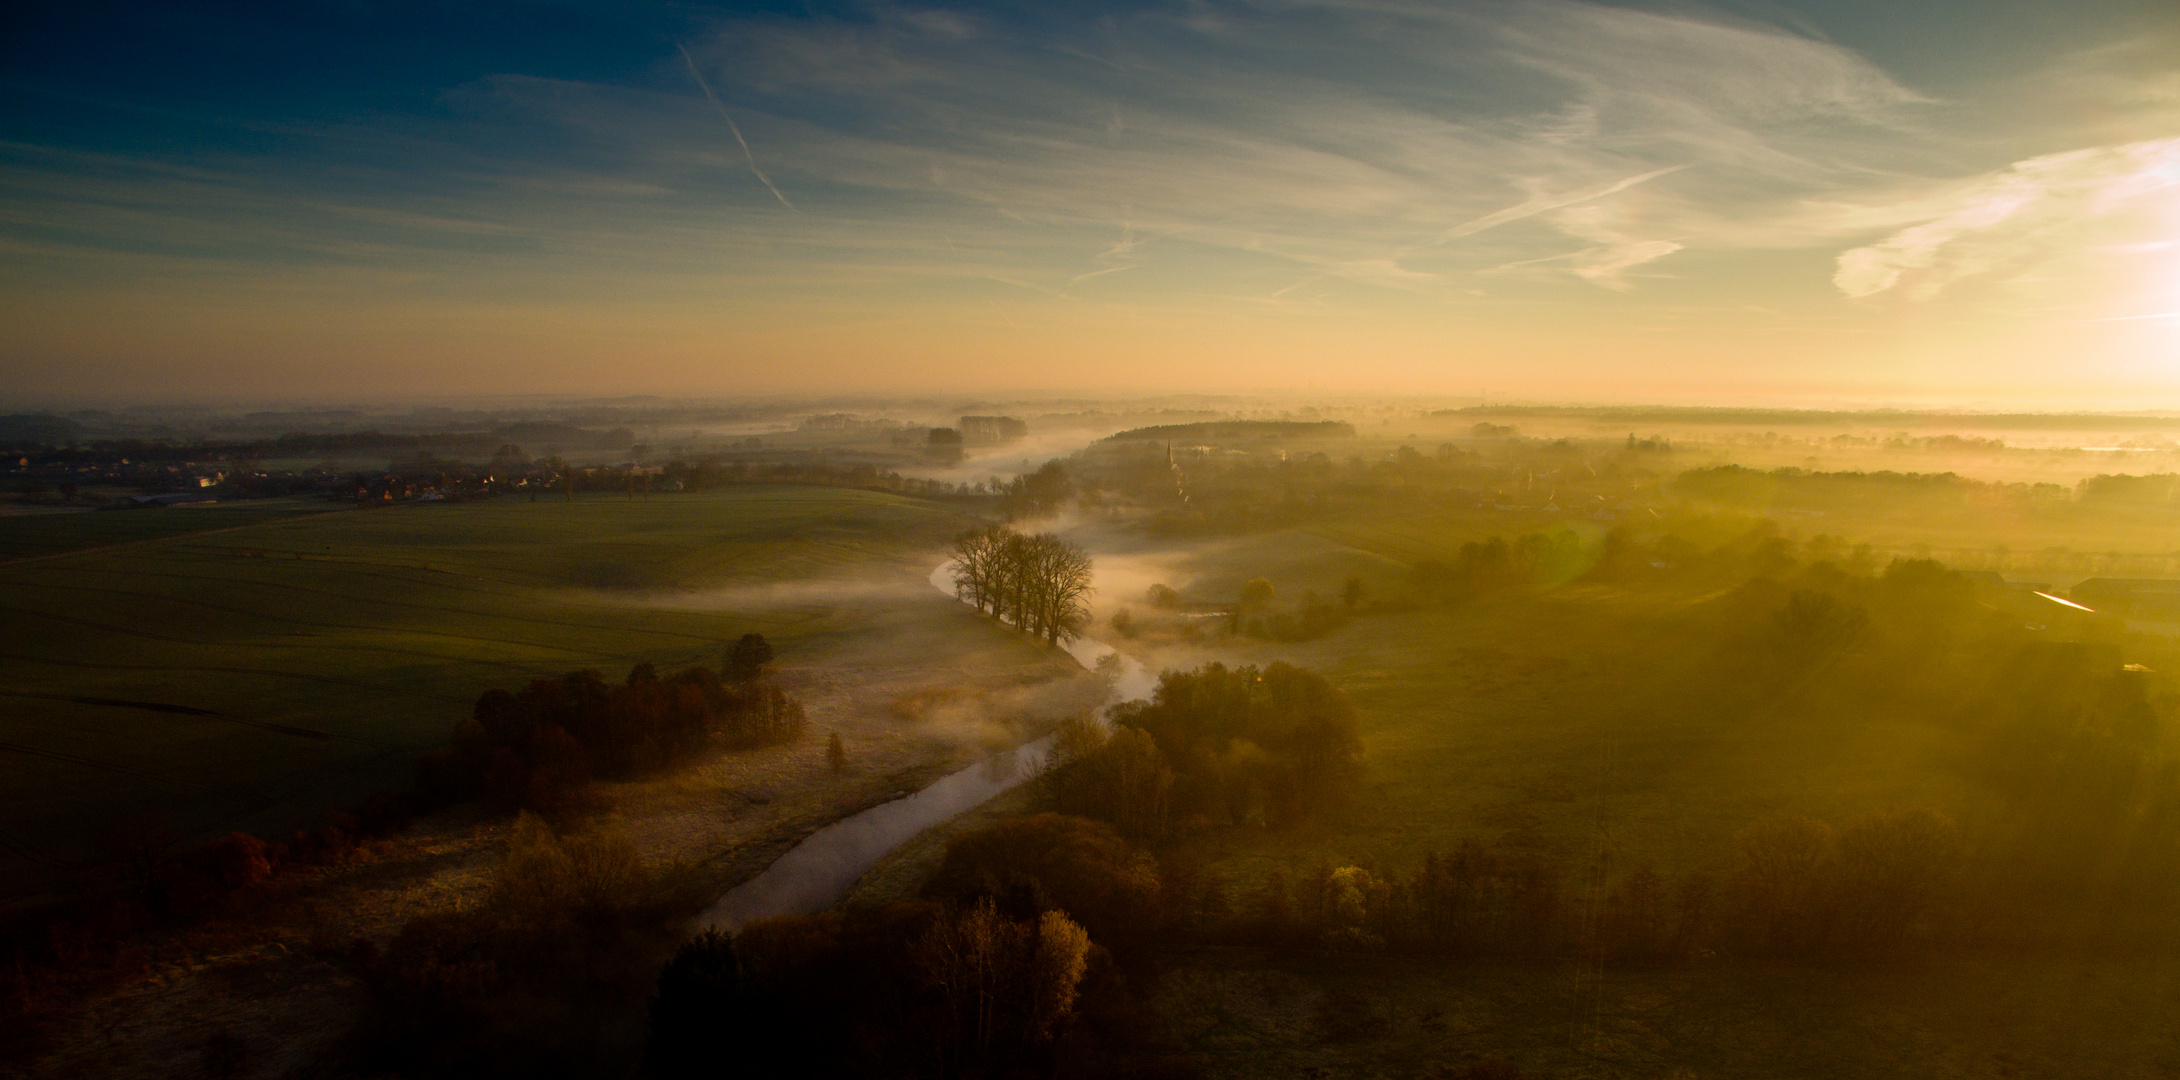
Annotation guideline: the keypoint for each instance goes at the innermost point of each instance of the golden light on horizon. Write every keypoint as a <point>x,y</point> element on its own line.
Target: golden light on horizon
<point>1557,199</point>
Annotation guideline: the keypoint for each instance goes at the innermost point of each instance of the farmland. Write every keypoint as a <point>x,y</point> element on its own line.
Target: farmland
<point>44,535</point>
<point>1605,725</point>
<point>219,669</point>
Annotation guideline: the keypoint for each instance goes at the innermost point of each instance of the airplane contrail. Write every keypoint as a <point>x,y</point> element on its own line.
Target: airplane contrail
<point>731,126</point>
<point>1543,203</point>
<point>1077,279</point>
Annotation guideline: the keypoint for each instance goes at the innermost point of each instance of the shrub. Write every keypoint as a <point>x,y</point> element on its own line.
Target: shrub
<point>1245,744</point>
<point>237,861</point>
<point>1076,865</point>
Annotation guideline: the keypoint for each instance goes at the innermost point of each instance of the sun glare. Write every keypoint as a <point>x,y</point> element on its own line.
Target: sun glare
<point>1200,539</point>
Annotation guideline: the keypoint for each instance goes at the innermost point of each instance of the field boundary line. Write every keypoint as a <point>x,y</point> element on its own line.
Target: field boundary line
<point>290,620</point>
<point>209,714</point>
<point>435,608</point>
<point>330,645</point>
<point>265,672</point>
<point>94,763</point>
<point>162,539</point>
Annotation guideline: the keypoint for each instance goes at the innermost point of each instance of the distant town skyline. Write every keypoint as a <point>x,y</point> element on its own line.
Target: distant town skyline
<point>1768,203</point>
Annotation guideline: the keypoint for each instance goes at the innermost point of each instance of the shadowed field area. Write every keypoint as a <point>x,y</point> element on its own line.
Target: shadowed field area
<point>1640,725</point>
<point>1244,1014</point>
<point>43,535</point>
<point>256,677</point>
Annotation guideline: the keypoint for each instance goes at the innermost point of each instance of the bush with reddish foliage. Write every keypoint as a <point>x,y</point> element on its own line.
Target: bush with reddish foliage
<point>237,861</point>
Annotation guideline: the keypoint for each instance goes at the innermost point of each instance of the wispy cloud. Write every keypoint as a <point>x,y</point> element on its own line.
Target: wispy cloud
<point>1099,273</point>
<point>1387,166</point>
<point>1537,204</point>
<point>2011,216</point>
<point>2160,315</point>
<point>1406,132</point>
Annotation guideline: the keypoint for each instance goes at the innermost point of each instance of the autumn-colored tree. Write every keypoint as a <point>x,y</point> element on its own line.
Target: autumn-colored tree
<point>1003,985</point>
<point>1080,866</point>
<point>1276,743</point>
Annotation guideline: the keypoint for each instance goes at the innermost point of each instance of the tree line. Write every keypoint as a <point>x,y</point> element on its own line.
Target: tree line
<point>974,989</point>
<point>1039,582</point>
<point>2076,851</point>
<point>1796,888</point>
<point>514,985</point>
<point>967,982</point>
<point>1015,962</point>
<point>1036,494</point>
<point>703,474</point>
<point>537,748</point>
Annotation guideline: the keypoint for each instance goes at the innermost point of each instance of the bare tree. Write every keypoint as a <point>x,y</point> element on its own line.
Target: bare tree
<point>1014,580</point>
<point>1058,587</point>
<point>978,566</point>
<point>1039,583</point>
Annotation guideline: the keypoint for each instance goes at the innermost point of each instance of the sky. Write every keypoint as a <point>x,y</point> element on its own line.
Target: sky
<point>1946,202</point>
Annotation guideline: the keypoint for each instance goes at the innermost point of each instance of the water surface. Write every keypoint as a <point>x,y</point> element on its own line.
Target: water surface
<point>816,873</point>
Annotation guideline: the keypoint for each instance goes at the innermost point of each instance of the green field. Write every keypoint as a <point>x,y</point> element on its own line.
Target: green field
<point>1617,726</point>
<point>1576,716</point>
<point>42,535</point>
<point>260,676</point>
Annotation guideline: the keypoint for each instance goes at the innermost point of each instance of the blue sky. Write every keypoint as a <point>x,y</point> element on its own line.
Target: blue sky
<point>1943,201</point>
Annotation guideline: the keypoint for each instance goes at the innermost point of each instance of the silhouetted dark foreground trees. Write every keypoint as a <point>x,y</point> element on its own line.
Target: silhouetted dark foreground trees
<point>527,981</point>
<point>1008,969</point>
<point>533,749</point>
<point>1016,963</point>
<point>929,989</point>
<point>1039,583</point>
<point>1797,888</point>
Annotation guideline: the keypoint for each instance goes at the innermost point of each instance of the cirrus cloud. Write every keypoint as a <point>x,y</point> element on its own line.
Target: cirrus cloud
<point>2013,216</point>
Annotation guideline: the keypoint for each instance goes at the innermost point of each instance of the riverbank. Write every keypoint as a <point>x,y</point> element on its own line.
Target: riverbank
<point>278,984</point>
<point>818,872</point>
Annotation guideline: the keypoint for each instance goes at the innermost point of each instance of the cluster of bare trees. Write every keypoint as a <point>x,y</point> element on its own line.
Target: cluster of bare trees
<point>1039,583</point>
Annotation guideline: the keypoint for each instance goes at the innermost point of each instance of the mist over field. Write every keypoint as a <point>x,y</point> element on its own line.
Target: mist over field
<point>1421,539</point>
<point>1356,734</point>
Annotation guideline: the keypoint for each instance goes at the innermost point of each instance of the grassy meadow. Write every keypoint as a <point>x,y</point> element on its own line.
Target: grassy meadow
<point>257,668</point>
<point>1610,725</point>
<point>1576,716</point>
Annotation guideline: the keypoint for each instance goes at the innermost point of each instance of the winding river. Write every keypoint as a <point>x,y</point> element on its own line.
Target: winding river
<point>816,873</point>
